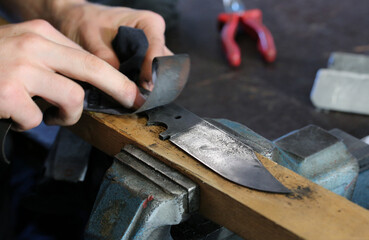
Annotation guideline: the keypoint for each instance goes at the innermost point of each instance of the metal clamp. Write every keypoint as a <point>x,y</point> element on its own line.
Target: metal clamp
<point>141,198</point>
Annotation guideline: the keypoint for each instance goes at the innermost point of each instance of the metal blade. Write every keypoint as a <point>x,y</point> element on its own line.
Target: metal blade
<point>215,148</point>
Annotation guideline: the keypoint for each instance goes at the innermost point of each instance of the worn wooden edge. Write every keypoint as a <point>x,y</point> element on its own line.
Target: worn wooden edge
<point>310,212</point>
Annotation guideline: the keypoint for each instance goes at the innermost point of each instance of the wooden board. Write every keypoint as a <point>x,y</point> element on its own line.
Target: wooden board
<point>310,212</point>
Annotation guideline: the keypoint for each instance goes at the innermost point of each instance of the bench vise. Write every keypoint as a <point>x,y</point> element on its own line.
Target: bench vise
<point>141,198</point>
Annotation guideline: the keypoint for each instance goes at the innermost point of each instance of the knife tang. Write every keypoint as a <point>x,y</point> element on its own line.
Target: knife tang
<point>175,118</point>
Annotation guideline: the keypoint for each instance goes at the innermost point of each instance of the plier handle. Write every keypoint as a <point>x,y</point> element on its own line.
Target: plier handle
<point>252,22</point>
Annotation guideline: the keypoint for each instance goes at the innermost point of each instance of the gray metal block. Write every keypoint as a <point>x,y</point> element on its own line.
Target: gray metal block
<point>349,62</point>
<point>358,148</point>
<point>305,142</point>
<point>341,91</point>
<point>319,156</point>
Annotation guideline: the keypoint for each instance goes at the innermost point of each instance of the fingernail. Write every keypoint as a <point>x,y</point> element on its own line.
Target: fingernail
<point>139,100</point>
<point>148,86</point>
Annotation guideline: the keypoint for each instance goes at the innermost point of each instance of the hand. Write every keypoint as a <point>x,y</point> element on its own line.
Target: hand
<point>37,60</point>
<point>94,27</point>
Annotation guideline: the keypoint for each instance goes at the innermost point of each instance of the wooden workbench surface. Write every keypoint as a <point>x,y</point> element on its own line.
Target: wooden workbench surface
<point>310,212</point>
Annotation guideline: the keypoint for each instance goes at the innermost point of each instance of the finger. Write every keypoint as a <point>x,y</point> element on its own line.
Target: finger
<point>24,112</point>
<point>167,52</point>
<point>99,44</point>
<point>146,81</point>
<point>154,27</point>
<point>44,29</point>
<point>61,92</point>
<point>155,49</point>
<point>86,67</point>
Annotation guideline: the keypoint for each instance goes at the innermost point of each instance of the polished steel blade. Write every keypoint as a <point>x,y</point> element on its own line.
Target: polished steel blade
<point>226,156</point>
<point>221,152</point>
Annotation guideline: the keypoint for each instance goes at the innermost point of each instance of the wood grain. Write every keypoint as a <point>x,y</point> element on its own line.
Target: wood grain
<point>310,212</point>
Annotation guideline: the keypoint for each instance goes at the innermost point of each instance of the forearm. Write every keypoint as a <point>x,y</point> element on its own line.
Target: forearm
<point>22,10</point>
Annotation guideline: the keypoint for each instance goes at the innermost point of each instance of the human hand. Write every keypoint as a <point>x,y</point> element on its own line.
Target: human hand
<point>94,27</point>
<point>37,60</point>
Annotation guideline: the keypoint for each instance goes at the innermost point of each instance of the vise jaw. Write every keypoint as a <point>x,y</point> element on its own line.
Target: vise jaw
<point>140,198</point>
<point>319,156</point>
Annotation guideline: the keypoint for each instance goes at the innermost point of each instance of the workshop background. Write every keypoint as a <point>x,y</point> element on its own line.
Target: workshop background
<point>272,99</point>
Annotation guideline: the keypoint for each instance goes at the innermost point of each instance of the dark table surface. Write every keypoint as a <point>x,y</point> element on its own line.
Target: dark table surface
<point>271,99</point>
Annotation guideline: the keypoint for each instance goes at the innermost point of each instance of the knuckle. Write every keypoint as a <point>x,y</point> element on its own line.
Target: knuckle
<point>29,41</point>
<point>92,63</point>
<point>10,90</point>
<point>41,26</point>
<point>155,18</point>
<point>75,97</point>
<point>19,68</point>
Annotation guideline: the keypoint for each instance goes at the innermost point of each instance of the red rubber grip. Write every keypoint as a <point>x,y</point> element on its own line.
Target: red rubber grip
<point>252,21</point>
<point>228,32</point>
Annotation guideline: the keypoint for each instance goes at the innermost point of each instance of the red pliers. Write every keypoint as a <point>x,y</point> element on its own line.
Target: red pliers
<point>251,21</point>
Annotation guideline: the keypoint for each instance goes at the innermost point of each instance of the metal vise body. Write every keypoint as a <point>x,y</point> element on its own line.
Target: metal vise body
<point>140,198</point>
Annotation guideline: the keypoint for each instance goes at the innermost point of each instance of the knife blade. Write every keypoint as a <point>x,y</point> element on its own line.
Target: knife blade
<point>213,147</point>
